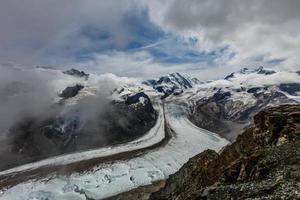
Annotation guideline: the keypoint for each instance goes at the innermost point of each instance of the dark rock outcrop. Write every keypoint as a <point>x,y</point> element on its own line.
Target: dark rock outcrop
<point>223,114</point>
<point>229,76</point>
<point>136,98</point>
<point>77,73</point>
<point>219,96</point>
<point>290,88</point>
<point>262,70</point>
<point>263,163</point>
<point>71,91</point>
<point>140,99</point>
<point>254,90</point>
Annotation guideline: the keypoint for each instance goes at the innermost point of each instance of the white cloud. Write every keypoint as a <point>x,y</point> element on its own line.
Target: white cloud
<point>133,64</point>
<point>141,64</point>
<point>265,29</point>
<point>268,28</point>
<point>31,28</point>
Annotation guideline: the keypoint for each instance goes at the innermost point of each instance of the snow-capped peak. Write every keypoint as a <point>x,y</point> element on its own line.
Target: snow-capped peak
<point>246,71</point>
<point>173,83</point>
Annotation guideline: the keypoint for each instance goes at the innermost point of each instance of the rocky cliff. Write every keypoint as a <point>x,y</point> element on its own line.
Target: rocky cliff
<point>263,163</point>
<point>227,106</point>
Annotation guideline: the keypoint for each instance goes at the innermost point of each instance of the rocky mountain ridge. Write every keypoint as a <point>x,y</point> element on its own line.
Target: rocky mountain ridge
<point>263,163</point>
<point>227,106</point>
<point>174,83</point>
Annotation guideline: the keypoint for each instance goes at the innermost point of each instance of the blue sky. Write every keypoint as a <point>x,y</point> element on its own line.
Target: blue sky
<point>148,38</point>
<point>141,35</point>
<point>162,47</point>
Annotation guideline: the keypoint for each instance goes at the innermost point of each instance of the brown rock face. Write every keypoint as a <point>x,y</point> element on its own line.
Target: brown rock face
<point>263,163</point>
<point>228,116</point>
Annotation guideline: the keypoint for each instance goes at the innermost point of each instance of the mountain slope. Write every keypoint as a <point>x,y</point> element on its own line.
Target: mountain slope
<point>80,117</point>
<point>227,105</point>
<point>263,163</point>
<point>174,83</point>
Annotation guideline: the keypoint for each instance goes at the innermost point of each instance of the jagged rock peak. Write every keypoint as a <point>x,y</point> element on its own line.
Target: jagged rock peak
<point>71,91</point>
<point>77,73</point>
<point>173,83</point>
<point>259,70</point>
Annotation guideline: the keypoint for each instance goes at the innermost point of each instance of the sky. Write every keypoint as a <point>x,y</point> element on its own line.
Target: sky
<point>141,38</point>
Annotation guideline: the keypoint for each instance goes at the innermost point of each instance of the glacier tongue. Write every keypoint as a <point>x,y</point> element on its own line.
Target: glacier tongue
<point>109,179</point>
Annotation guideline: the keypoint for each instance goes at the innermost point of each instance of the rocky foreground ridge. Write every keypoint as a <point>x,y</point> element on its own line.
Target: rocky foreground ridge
<point>263,163</point>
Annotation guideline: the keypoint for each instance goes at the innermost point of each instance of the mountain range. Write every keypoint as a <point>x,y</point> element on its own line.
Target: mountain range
<point>225,106</point>
<point>88,112</point>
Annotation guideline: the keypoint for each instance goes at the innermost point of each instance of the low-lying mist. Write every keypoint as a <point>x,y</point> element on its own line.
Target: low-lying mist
<point>36,123</point>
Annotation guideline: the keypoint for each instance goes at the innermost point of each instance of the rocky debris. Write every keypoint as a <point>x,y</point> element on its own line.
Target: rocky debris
<point>77,73</point>
<point>263,163</point>
<point>71,91</point>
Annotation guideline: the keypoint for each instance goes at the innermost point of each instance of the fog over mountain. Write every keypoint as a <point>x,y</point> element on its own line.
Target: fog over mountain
<point>32,98</point>
<point>130,38</point>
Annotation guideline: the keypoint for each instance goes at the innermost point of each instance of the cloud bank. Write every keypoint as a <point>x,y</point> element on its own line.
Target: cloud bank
<point>265,31</point>
<point>144,38</point>
<point>34,29</point>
